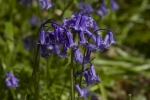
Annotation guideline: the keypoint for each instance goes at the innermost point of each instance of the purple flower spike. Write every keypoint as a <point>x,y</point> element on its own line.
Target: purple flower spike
<point>83,93</point>
<point>114,5</point>
<point>78,57</point>
<point>81,37</point>
<point>111,38</point>
<point>11,80</point>
<point>42,37</point>
<point>44,51</point>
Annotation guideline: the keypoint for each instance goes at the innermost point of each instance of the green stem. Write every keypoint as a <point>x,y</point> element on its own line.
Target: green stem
<point>36,67</point>
<point>72,71</point>
<point>82,67</point>
<point>72,76</point>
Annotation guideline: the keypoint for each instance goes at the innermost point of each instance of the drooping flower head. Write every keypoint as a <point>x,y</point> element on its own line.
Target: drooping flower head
<point>34,21</point>
<point>45,4</point>
<point>90,76</point>
<point>28,42</point>
<point>114,5</point>
<point>82,92</point>
<point>11,81</point>
<point>79,22</point>
<point>26,2</point>
<point>87,8</point>
<point>78,56</point>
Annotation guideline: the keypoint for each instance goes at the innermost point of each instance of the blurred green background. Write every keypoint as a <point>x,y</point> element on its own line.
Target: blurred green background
<point>124,68</point>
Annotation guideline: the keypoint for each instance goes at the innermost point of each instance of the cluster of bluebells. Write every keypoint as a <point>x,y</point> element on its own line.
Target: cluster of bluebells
<point>11,81</point>
<point>57,38</point>
<point>44,4</point>
<point>90,79</point>
<point>102,9</point>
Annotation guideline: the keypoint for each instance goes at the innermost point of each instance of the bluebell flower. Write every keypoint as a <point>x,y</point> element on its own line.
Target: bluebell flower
<point>34,21</point>
<point>49,46</point>
<point>11,81</point>
<point>90,76</point>
<point>42,37</point>
<point>103,7</point>
<point>114,5</point>
<point>90,35</point>
<point>51,37</point>
<point>87,8</point>
<point>71,43</point>
<point>26,2</point>
<point>28,42</point>
<point>78,56</point>
<point>81,37</point>
<point>111,36</point>
<point>92,47</point>
<point>45,4</point>
<point>69,23</point>
<point>76,26</point>
<point>61,36</point>
<point>105,44</point>
<point>108,40</point>
<point>100,13</point>
<point>79,22</point>
<point>64,49</point>
<point>44,51</point>
<point>87,56</point>
<point>58,34</point>
<point>56,49</point>
<point>95,26</point>
<point>82,92</point>
<point>98,40</point>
